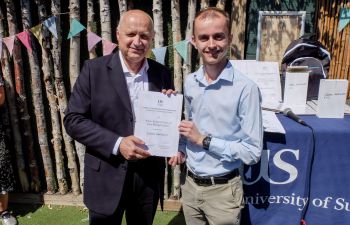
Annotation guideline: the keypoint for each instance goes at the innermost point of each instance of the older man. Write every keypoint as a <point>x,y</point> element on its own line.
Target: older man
<point>119,175</point>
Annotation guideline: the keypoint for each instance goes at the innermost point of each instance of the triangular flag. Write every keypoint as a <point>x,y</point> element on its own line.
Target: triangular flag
<point>92,39</point>
<point>108,47</point>
<point>50,23</point>
<point>25,39</point>
<point>75,28</point>
<point>36,31</point>
<point>344,18</point>
<point>159,53</point>
<point>9,41</point>
<point>181,48</point>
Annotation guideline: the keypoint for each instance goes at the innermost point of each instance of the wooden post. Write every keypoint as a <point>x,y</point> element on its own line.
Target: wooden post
<point>176,30</point>
<point>91,23</point>
<point>238,20</point>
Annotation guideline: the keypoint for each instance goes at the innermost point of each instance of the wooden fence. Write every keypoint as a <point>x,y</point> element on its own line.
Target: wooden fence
<point>338,43</point>
<point>38,82</point>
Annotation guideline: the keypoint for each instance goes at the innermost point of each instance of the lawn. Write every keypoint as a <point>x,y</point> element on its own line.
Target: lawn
<point>70,215</point>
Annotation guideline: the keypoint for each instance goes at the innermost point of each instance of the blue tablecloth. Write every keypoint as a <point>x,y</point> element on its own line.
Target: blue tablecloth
<point>275,188</point>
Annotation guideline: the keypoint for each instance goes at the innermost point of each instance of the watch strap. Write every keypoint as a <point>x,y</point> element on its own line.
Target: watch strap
<point>206,142</point>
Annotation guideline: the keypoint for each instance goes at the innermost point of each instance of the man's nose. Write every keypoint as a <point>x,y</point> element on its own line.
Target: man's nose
<point>212,43</point>
<point>137,40</point>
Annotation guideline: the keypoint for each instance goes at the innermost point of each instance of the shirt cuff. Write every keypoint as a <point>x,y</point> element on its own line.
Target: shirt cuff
<point>116,146</point>
<point>217,145</point>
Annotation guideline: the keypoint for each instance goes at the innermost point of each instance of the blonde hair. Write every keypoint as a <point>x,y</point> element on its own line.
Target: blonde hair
<point>211,12</point>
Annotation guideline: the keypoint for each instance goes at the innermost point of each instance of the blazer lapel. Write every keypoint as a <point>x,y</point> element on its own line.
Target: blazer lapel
<point>118,81</point>
<point>153,80</point>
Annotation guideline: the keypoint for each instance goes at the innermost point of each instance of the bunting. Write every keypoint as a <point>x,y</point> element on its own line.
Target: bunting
<point>344,18</point>
<point>25,39</point>
<point>36,31</point>
<point>159,53</point>
<point>181,48</point>
<point>50,23</point>
<point>108,47</point>
<point>75,28</point>
<point>92,39</point>
<point>9,41</point>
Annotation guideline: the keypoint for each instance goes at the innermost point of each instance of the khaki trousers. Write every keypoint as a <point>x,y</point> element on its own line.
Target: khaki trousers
<point>218,204</point>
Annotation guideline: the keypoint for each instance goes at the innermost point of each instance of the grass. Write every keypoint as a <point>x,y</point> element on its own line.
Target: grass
<point>70,215</point>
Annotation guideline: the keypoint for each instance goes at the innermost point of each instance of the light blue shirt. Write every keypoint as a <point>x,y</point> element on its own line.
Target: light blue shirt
<point>229,110</point>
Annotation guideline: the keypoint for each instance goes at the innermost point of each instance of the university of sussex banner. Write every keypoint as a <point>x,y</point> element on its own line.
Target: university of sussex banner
<point>276,189</point>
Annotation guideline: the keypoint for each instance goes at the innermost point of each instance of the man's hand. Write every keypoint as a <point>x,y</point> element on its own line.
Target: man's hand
<point>177,160</point>
<point>129,149</point>
<point>189,130</point>
<point>169,92</point>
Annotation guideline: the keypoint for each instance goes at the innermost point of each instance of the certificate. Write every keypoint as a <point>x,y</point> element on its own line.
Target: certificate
<point>295,88</point>
<point>157,120</point>
<point>266,76</point>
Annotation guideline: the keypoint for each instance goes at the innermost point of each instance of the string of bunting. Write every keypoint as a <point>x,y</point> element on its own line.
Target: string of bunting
<point>92,39</point>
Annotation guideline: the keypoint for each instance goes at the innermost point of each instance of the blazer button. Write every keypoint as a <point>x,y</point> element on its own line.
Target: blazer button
<point>131,119</point>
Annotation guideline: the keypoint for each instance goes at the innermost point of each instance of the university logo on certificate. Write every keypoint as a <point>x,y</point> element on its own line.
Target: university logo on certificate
<point>157,120</point>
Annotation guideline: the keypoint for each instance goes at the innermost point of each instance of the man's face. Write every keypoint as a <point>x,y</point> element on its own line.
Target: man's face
<point>211,38</point>
<point>135,35</point>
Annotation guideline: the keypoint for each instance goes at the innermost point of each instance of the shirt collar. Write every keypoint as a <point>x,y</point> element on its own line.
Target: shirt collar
<point>143,69</point>
<point>226,74</point>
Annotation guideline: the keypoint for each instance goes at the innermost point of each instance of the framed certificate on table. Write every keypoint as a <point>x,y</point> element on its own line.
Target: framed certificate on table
<point>157,120</point>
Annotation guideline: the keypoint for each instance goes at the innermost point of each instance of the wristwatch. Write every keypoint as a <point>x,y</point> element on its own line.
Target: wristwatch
<point>206,142</point>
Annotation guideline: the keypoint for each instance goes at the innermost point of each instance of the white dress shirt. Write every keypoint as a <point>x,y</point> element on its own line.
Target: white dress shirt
<point>136,83</point>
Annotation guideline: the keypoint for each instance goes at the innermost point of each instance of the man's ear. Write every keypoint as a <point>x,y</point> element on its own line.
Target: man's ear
<point>193,42</point>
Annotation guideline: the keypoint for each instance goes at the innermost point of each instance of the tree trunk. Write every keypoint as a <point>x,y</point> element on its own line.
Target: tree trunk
<point>11,100</point>
<point>74,50</point>
<point>62,100</point>
<point>187,65</point>
<point>238,22</point>
<point>123,6</point>
<point>74,70</point>
<point>33,166</point>
<point>158,23</point>
<point>21,99</point>
<point>39,106</point>
<point>176,30</point>
<point>221,4</point>
<point>105,19</point>
<point>204,4</point>
<point>159,42</point>
<point>47,67</point>
<point>91,26</point>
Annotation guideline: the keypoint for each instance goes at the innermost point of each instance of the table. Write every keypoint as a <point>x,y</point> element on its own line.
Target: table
<point>275,188</point>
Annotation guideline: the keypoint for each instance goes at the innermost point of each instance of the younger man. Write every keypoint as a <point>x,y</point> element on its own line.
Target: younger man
<point>223,130</point>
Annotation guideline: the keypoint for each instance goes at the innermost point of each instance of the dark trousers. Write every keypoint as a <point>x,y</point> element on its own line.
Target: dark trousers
<point>139,201</point>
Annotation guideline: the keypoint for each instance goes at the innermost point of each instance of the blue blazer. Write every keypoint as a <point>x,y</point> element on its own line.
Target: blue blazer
<point>99,111</point>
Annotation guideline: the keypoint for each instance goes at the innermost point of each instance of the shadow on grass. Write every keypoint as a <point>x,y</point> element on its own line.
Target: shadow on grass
<point>23,209</point>
<point>179,219</point>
